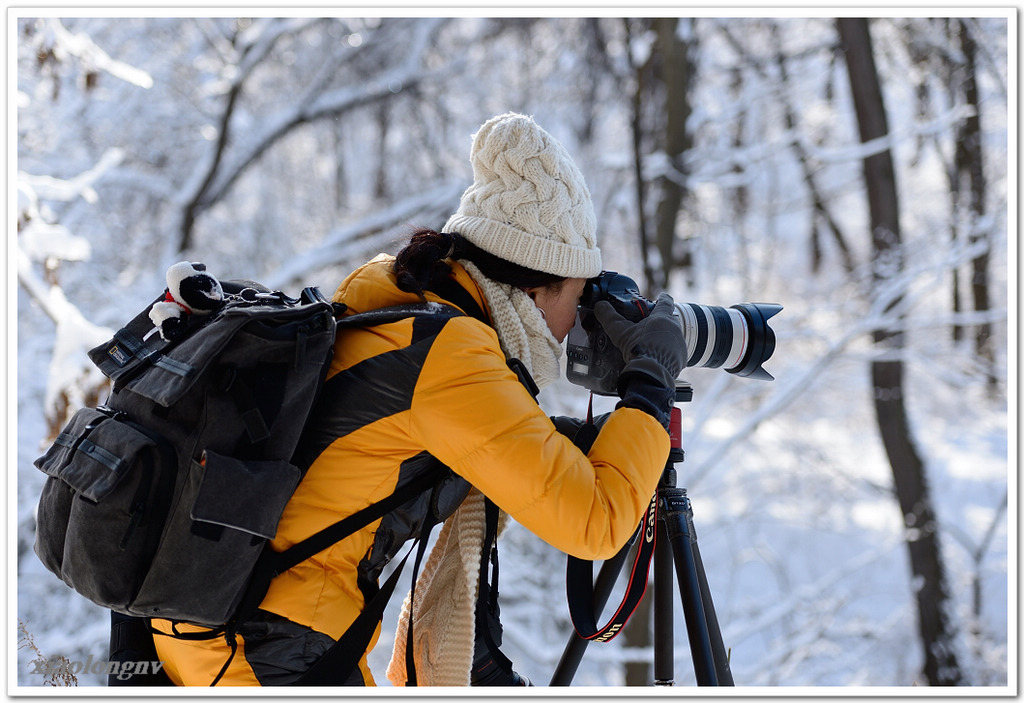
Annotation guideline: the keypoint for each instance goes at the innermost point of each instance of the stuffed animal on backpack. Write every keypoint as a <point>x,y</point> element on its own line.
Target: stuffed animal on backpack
<point>190,291</point>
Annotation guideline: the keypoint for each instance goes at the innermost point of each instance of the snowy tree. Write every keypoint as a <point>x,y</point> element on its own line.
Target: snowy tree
<point>941,666</point>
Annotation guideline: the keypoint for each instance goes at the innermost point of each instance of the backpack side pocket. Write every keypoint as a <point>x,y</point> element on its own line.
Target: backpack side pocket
<point>103,506</point>
<point>227,511</point>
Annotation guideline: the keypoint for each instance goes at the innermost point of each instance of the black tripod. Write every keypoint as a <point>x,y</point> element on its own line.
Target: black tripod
<point>676,545</point>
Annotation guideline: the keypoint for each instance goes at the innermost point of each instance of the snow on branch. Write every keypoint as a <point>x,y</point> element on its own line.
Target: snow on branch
<point>64,43</point>
<point>38,237</point>
<point>774,610</point>
<point>372,231</point>
<point>50,188</point>
<point>73,381</point>
<point>890,309</point>
<point>315,105</point>
<point>863,150</point>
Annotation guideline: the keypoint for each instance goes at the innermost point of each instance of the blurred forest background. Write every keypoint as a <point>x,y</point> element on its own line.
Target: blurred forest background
<point>855,516</point>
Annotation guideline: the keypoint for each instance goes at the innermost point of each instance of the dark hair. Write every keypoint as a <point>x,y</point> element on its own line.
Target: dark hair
<point>421,263</point>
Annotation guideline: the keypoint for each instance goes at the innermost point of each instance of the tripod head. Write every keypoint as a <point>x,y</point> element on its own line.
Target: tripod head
<point>684,391</point>
<point>684,394</point>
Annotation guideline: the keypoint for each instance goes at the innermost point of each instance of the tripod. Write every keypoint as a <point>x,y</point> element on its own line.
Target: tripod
<point>676,546</point>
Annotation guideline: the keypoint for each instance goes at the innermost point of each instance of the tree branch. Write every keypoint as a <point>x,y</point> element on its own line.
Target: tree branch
<point>374,230</point>
<point>313,106</point>
<point>252,54</point>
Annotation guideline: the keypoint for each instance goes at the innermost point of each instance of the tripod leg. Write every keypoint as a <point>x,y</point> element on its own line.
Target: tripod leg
<point>679,527</point>
<point>577,646</point>
<point>717,645</point>
<point>664,639</point>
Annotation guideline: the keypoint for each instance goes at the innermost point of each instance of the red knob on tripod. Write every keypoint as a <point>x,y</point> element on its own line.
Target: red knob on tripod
<point>675,428</point>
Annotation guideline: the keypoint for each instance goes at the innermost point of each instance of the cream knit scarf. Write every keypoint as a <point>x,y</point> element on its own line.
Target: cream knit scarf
<point>521,327</point>
<point>444,621</point>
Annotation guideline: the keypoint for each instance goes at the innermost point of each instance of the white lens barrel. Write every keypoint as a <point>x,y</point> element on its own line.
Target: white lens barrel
<point>715,336</point>
<point>740,338</point>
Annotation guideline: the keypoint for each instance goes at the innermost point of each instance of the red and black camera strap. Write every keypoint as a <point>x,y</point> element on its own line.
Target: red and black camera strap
<point>579,573</point>
<point>579,583</point>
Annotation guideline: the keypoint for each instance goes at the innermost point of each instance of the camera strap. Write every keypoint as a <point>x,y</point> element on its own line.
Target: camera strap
<point>487,593</point>
<point>579,581</point>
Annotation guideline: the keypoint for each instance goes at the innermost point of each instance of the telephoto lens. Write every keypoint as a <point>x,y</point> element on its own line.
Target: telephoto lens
<point>737,338</point>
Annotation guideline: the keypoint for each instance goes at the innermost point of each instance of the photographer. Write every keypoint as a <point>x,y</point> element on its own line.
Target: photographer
<point>514,259</point>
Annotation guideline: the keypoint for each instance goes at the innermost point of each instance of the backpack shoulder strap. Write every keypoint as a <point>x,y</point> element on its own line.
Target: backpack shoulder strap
<point>453,292</point>
<point>394,313</point>
<point>271,563</point>
<point>340,660</point>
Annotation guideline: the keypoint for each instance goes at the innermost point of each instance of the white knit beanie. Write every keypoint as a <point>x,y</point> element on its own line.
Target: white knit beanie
<point>528,203</point>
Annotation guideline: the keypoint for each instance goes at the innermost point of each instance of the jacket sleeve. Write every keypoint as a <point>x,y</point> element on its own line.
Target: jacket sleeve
<point>471,412</point>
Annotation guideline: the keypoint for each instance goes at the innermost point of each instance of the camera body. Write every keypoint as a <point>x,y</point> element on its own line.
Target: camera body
<point>592,360</point>
<point>737,338</point>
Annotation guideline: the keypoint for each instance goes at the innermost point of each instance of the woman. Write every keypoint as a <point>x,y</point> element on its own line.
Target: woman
<point>402,396</point>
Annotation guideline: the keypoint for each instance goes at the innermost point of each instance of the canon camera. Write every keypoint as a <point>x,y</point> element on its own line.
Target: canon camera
<point>737,338</point>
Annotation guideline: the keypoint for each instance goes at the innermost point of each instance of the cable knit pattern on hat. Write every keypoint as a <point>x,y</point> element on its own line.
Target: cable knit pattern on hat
<point>528,203</point>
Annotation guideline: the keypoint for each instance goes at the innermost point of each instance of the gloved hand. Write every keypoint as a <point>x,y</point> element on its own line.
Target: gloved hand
<point>654,350</point>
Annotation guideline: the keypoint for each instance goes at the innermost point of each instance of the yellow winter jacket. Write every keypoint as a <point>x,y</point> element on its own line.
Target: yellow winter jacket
<point>467,409</point>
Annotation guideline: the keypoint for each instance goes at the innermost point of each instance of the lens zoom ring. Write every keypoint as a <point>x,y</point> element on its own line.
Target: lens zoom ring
<point>702,335</point>
<point>723,336</point>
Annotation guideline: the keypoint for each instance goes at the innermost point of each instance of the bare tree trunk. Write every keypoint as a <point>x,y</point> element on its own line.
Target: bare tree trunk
<point>637,632</point>
<point>672,71</point>
<point>969,168</point>
<point>380,186</point>
<point>958,329</point>
<point>595,51</point>
<point>339,166</point>
<point>637,105</point>
<point>194,206</point>
<point>676,74</point>
<point>937,635</point>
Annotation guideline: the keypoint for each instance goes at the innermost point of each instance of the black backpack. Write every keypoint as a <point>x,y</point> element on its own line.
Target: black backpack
<point>159,503</point>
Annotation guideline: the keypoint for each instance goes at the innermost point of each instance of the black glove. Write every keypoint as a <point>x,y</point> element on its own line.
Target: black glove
<point>654,350</point>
